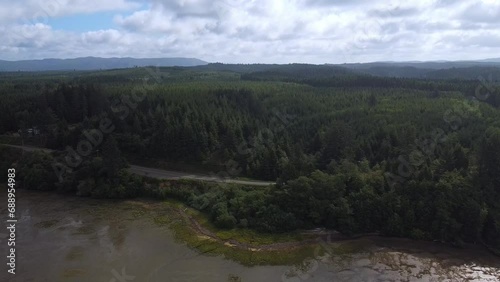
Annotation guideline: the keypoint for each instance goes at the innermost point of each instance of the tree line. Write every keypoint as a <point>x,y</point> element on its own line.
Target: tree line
<point>333,144</point>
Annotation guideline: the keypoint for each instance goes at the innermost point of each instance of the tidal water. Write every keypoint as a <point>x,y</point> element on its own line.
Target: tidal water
<point>62,238</point>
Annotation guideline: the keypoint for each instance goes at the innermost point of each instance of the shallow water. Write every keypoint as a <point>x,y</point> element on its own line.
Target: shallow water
<point>73,239</point>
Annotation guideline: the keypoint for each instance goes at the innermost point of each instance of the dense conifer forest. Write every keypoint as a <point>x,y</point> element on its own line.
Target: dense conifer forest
<point>406,157</point>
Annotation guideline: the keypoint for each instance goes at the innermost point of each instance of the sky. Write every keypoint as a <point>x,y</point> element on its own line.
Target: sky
<point>252,31</point>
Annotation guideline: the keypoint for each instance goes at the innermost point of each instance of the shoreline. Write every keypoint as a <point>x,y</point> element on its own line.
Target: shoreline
<point>317,245</point>
<point>284,249</point>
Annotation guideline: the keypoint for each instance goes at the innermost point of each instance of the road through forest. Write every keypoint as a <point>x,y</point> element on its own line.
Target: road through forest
<point>165,174</point>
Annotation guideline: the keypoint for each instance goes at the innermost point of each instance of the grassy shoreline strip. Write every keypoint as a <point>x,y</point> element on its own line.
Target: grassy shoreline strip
<point>179,219</point>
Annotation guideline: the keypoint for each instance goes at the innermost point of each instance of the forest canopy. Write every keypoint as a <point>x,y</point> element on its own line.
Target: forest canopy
<point>357,153</point>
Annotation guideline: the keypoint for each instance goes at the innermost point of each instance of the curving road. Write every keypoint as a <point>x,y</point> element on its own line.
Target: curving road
<point>29,148</point>
<point>165,174</point>
<point>176,175</point>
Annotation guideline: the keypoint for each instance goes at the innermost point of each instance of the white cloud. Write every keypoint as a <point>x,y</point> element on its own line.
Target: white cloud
<point>109,36</point>
<point>279,31</point>
<point>39,11</point>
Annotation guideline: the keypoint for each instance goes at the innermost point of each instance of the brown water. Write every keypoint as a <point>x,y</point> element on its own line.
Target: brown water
<point>73,239</point>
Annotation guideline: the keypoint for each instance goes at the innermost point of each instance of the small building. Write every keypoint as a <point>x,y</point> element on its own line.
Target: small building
<point>31,132</point>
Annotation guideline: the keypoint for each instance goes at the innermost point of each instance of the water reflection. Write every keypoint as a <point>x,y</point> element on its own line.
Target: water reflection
<point>72,239</point>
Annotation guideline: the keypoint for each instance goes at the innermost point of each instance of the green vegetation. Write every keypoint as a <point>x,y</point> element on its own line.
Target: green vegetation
<point>183,230</point>
<point>404,157</point>
<point>102,176</point>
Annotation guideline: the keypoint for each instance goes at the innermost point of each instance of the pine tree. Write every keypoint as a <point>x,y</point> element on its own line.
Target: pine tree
<point>113,160</point>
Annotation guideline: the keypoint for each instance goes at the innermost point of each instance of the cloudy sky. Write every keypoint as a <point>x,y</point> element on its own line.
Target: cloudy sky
<point>237,31</point>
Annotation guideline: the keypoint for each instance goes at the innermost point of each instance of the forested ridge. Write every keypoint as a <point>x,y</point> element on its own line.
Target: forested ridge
<point>415,158</point>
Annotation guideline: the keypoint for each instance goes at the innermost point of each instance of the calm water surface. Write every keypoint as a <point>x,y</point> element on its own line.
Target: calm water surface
<point>73,239</point>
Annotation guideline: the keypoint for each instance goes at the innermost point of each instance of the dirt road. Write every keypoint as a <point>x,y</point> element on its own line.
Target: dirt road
<point>164,174</point>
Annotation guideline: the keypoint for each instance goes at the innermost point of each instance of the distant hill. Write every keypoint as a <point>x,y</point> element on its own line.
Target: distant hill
<point>436,65</point>
<point>467,73</point>
<point>468,70</point>
<point>95,63</point>
<point>495,60</point>
<point>431,70</point>
<point>294,72</point>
